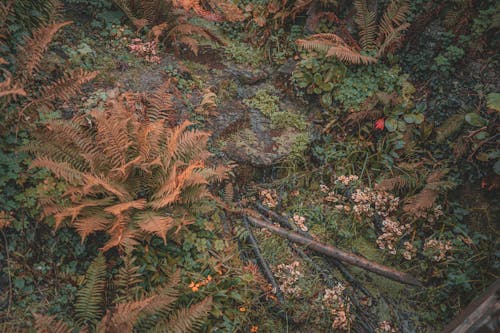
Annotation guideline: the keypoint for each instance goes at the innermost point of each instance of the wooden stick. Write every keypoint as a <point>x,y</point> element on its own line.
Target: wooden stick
<point>333,252</point>
<point>266,270</point>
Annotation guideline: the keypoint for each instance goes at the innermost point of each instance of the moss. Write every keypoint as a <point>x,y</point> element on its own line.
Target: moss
<point>269,106</point>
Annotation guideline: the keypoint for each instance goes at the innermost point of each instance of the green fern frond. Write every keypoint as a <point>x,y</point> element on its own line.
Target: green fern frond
<point>366,21</point>
<point>90,298</point>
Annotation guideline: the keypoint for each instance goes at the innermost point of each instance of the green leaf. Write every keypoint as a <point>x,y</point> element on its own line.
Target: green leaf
<point>409,118</point>
<point>326,99</point>
<point>475,120</point>
<point>391,124</point>
<point>496,167</point>
<point>419,118</point>
<point>493,101</point>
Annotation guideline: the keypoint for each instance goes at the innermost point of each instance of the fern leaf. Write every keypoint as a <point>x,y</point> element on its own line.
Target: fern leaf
<point>34,48</point>
<point>118,209</point>
<point>393,36</point>
<point>88,225</point>
<point>187,319</point>
<point>68,86</point>
<point>451,126</point>
<point>346,54</point>
<point>90,298</point>
<point>61,170</point>
<point>49,324</point>
<point>365,19</point>
<point>154,223</point>
<point>113,136</point>
<point>128,279</point>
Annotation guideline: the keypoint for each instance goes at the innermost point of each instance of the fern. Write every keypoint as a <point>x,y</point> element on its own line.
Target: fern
<point>451,126</point>
<point>34,48</point>
<point>186,320</point>
<point>127,174</point>
<point>365,19</point>
<point>427,196</point>
<point>380,38</point>
<point>90,298</point>
<point>49,324</point>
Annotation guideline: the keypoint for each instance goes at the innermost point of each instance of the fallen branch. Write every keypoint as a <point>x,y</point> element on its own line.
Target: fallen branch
<point>266,270</point>
<point>333,252</point>
<point>283,221</point>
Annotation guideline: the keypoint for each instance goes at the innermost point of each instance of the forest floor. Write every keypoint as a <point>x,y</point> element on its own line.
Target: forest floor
<point>222,95</point>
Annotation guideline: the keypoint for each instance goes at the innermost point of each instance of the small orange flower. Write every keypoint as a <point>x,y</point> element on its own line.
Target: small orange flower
<point>242,309</point>
<point>209,278</point>
<point>254,329</point>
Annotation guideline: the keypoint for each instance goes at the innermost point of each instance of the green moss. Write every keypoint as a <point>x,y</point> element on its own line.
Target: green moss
<point>269,106</point>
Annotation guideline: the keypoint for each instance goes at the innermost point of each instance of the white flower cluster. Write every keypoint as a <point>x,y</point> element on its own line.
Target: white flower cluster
<point>288,275</point>
<point>386,326</point>
<point>146,50</point>
<point>346,180</point>
<point>441,250</point>
<point>430,215</point>
<point>269,198</point>
<point>368,202</point>
<point>391,233</point>
<point>339,307</point>
<point>410,251</point>
<point>299,221</point>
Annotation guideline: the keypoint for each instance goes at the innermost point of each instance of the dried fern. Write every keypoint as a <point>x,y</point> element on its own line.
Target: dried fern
<point>34,48</point>
<point>373,37</point>
<point>128,175</point>
<point>50,324</point>
<point>452,125</point>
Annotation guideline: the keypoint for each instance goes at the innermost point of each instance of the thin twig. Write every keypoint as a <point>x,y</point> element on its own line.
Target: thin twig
<point>8,273</point>
<point>266,270</point>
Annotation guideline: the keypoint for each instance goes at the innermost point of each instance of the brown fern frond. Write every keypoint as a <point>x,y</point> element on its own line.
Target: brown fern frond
<point>154,223</point>
<point>187,320</point>
<point>118,209</point>
<point>124,239</point>
<point>451,125</point>
<point>392,37</point>
<point>50,324</point>
<point>74,211</point>
<point>394,183</point>
<point>8,88</point>
<point>160,105</point>
<point>88,225</point>
<point>31,53</point>
<point>229,193</point>
<point>320,42</point>
<point>112,135</point>
<point>423,200</point>
<point>124,6</point>
<point>366,21</point>
<point>346,54</point>
<point>61,170</point>
<point>363,115</point>
<point>394,15</point>
<point>69,85</point>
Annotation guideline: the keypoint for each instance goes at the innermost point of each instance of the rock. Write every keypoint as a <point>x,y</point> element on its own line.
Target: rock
<point>248,77</point>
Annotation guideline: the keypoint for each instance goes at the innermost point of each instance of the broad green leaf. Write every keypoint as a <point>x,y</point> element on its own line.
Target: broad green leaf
<point>475,120</point>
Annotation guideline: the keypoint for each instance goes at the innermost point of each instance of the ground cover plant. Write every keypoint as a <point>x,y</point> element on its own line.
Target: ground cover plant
<point>247,166</point>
